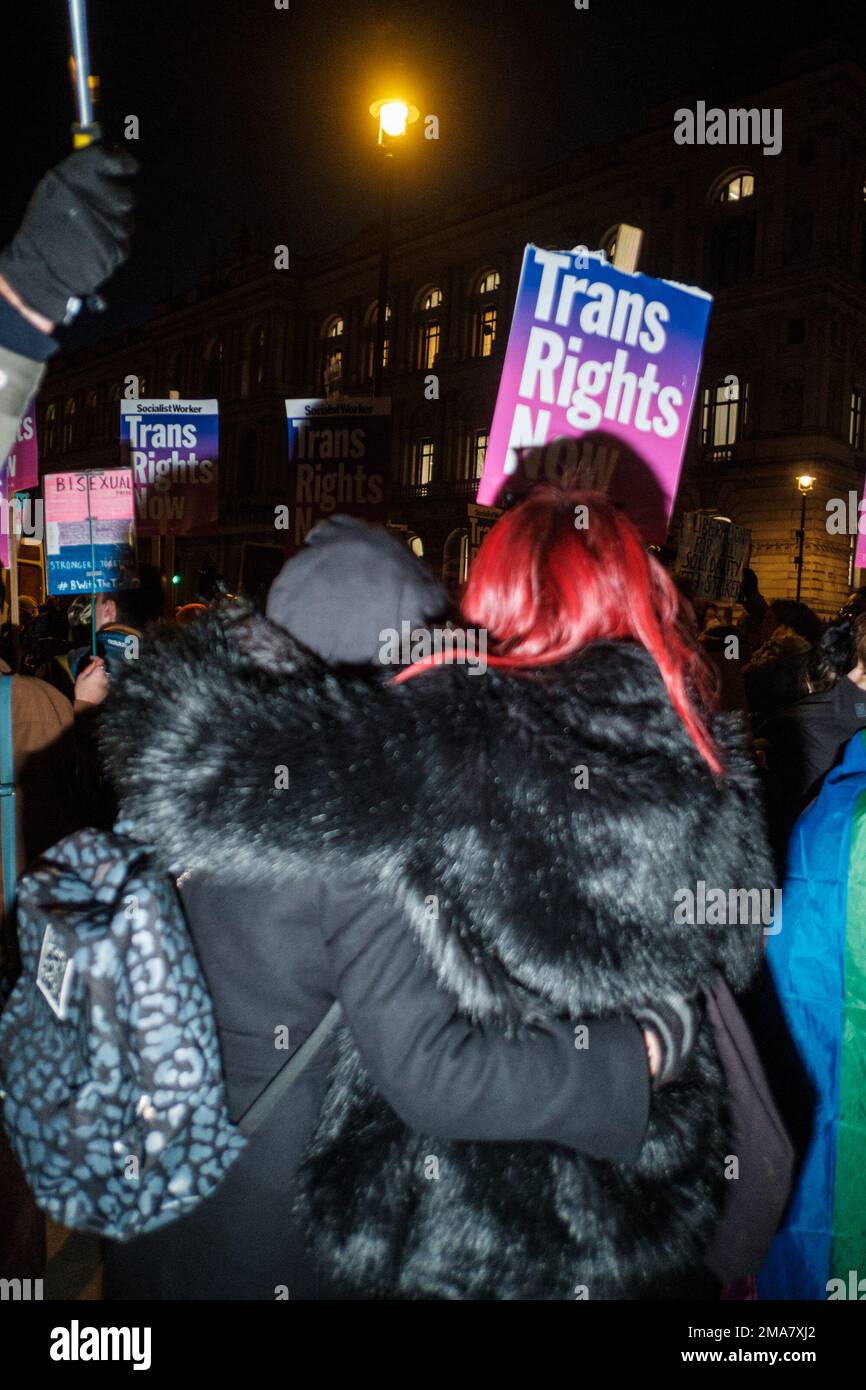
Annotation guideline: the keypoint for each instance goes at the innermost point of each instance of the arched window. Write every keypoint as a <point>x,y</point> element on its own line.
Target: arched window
<point>429,328</point>
<point>733,188</point>
<point>333,334</point>
<point>729,248</point>
<point>370,319</point>
<point>485,313</point>
<point>253,363</point>
<point>212,374</point>
<point>416,545</point>
<point>69,423</point>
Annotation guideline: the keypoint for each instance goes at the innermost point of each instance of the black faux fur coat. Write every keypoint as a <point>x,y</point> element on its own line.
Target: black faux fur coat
<point>456,793</point>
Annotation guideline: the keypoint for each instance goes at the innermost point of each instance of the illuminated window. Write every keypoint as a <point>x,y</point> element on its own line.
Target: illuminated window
<point>484,316</point>
<point>370,318</point>
<point>429,329</point>
<point>333,372</point>
<point>332,356</point>
<point>485,331</point>
<point>428,343</point>
<point>737,188</point>
<point>478,452</point>
<point>856,432</point>
<point>724,413</point>
<point>423,462</point>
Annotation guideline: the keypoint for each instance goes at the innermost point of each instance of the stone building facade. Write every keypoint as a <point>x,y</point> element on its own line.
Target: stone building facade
<point>779,239</point>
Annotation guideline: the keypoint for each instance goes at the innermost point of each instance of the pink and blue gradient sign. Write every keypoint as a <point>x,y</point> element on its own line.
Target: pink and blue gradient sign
<point>597,351</point>
<point>18,473</point>
<point>172,448</point>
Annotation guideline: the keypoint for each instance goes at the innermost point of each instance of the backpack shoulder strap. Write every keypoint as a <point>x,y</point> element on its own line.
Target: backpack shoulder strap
<point>7,792</point>
<point>265,1104</point>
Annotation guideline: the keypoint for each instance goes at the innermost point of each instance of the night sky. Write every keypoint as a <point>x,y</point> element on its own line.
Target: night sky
<point>252,114</point>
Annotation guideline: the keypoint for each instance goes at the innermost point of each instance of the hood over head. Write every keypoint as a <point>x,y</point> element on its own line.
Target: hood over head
<point>349,584</point>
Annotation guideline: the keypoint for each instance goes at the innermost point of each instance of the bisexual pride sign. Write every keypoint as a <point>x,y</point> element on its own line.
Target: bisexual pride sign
<point>597,351</point>
<point>89,530</point>
<point>172,448</point>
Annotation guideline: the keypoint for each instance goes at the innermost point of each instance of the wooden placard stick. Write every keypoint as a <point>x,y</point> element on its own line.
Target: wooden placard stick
<point>627,247</point>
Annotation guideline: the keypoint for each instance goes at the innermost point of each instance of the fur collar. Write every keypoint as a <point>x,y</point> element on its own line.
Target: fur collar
<point>454,793</point>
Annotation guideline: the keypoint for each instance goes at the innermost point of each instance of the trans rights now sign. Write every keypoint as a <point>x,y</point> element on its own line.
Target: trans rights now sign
<point>339,461</point>
<point>172,448</point>
<point>597,351</point>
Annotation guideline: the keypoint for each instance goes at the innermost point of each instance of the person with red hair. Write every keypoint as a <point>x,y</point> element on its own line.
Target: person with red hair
<point>556,831</point>
<point>565,569</point>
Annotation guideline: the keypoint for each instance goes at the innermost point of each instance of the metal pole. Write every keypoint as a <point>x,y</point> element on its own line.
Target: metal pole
<point>384,266</point>
<point>802,535</point>
<point>81,65</point>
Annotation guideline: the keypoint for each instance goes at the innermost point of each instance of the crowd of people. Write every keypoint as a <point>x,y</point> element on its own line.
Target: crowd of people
<point>536,1079</point>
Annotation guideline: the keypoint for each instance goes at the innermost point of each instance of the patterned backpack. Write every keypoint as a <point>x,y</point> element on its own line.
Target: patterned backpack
<point>110,1065</point>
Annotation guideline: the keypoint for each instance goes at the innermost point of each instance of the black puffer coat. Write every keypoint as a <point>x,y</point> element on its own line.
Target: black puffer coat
<point>455,795</point>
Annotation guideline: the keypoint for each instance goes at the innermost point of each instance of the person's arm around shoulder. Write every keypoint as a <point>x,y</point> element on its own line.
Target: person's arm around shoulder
<point>448,1078</point>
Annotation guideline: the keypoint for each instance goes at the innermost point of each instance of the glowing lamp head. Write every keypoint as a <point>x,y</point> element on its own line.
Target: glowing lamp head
<point>806,482</point>
<point>394,116</point>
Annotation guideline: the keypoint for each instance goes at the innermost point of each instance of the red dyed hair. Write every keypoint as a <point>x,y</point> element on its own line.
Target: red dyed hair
<point>544,587</point>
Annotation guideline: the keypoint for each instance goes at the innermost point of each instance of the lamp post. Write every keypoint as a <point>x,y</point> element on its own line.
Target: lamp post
<point>805,483</point>
<point>394,117</point>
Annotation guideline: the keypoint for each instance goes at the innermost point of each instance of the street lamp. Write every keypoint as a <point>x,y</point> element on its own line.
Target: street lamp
<point>394,117</point>
<point>805,483</point>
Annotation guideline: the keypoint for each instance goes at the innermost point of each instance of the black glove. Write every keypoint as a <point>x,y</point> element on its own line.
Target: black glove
<point>75,233</point>
<point>675,1021</point>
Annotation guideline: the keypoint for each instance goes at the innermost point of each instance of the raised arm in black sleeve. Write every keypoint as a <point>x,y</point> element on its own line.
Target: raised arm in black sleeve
<point>450,1079</point>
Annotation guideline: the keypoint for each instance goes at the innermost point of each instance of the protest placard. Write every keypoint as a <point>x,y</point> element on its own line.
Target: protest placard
<point>598,351</point>
<point>712,555</point>
<point>339,461</point>
<point>89,530</point>
<point>19,471</point>
<point>481,521</point>
<point>172,448</point>
<point>860,548</point>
